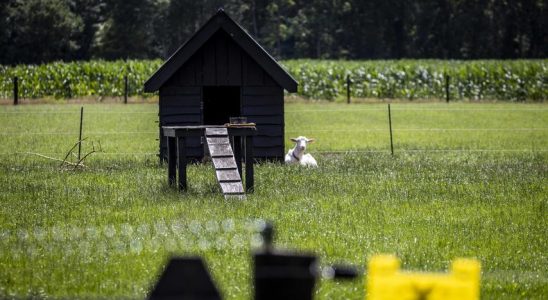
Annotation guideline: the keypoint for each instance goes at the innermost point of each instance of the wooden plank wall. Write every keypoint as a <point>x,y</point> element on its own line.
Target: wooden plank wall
<point>181,106</point>
<point>221,62</point>
<point>263,105</point>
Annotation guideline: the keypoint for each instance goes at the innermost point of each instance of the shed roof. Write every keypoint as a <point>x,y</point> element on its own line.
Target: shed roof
<point>221,21</point>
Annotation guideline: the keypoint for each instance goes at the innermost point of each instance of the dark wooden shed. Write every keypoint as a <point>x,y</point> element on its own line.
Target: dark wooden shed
<point>222,72</point>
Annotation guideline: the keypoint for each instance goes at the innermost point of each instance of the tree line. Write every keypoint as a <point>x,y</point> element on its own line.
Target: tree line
<point>38,31</point>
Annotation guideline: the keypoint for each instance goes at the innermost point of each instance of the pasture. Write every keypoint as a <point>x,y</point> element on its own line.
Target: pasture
<point>466,180</point>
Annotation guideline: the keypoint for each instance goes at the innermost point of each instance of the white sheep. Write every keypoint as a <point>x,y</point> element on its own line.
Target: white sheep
<point>297,155</point>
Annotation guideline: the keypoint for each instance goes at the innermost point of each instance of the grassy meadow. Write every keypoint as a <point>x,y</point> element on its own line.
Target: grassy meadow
<point>466,180</point>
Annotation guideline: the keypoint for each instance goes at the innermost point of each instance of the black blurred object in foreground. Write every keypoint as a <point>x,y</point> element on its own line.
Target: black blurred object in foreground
<point>185,278</point>
<point>289,275</point>
<point>277,275</point>
<point>284,276</point>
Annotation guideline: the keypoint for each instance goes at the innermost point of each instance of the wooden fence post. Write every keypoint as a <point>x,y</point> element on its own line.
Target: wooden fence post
<point>15,90</point>
<point>390,126</point>
<point>348,89</point>
<point>125,89</point>
<point>447,79</point>
<point>68,90</point>
<point>80,137</point>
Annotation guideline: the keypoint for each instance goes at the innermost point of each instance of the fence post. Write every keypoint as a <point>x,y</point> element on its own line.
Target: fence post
<point>68,90</point>
<point>447,79</point>
<point>15,90</point>
<point>125,89</point>
<point>390,126</point>
<point>348,89</point>
<point>80,137</point>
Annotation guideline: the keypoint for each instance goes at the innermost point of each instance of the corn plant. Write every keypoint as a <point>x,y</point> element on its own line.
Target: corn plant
<point>513,80</point>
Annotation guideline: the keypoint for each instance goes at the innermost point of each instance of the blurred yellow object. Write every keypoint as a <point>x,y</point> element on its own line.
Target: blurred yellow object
<point>385,281</point>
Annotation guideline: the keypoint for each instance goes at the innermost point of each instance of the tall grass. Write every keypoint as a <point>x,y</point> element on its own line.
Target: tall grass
<point>106,231</point>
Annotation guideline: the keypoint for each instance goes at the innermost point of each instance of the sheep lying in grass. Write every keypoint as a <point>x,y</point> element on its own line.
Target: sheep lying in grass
<point>297,155</point>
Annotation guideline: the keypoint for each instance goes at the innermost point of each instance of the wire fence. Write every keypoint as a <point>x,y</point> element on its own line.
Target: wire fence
<point>289,131</point>
<point>13,132</point>
<point>351,108</point>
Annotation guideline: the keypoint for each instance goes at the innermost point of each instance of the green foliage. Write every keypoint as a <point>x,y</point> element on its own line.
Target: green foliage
<point>93,78</point>
<point>38,31</point>
<point>342,29</point>
<point>127,31</point>
<point>423,79</point>
<point>106,231</point>
<point>515,80</point>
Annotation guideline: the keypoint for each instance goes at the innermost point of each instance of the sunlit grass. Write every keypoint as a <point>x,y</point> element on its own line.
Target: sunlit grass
<point>106,231</point>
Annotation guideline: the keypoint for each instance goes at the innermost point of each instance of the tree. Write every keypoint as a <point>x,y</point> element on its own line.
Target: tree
<point>39,31</point>
<point>4,31</point>
<point>276,31</point>
<point>127,31</point>
<point>182,19</point>
<point>356,29</point>
<point>92,14</point>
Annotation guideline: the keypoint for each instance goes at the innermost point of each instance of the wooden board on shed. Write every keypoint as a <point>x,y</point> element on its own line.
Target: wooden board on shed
<point>216,131</point>
<point>217,141</point>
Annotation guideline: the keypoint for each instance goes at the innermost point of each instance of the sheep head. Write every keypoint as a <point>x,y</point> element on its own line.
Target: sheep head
<point>301,142</point>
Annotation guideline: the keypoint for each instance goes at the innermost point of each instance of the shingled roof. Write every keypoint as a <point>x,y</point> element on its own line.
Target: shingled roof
<point>221,21</point>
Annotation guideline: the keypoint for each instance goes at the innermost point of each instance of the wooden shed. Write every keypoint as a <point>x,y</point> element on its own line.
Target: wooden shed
<point>222,72</point>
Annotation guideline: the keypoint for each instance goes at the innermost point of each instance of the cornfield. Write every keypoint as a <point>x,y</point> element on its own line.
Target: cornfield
<point>423,79</point>
<point>512,80</point>
<point>77,79</point>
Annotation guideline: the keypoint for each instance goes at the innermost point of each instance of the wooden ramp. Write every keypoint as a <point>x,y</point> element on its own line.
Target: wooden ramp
<point>224,163</point>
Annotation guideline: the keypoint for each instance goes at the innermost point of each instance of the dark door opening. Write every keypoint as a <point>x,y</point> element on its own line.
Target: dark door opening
<point>220,103</point>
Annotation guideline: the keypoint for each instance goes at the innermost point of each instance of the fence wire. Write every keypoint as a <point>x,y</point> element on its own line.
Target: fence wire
<point>351,108</point>
<point>14,132</point>
<point>326,152</point>
<point>289,131</point>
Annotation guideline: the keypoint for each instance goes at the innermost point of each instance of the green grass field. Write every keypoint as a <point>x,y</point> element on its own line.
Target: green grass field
<point>466,180</point>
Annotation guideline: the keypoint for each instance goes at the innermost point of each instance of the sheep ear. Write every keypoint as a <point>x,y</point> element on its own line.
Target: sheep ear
<point>311,140</point>
<point>294,140</point>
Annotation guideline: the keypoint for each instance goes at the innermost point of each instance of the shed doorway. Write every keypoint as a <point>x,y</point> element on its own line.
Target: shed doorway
<point>220,103</point>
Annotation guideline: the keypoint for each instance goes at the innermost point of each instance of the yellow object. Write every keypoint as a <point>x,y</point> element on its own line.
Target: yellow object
<point>385,281</point>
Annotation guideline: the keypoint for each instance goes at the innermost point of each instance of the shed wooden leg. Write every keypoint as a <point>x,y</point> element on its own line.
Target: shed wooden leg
<point>171,160</point>
<point>249,181</point>
<point>238,153</point>
<point>181,163</point>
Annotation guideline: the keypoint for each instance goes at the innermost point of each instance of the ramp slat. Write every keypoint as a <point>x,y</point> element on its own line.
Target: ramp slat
<point>220,150</point>
<point>224,163</point>
<point>217,140</point>
<point>232,187</point>
<point>216,132</point>
<point>228,175</point>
